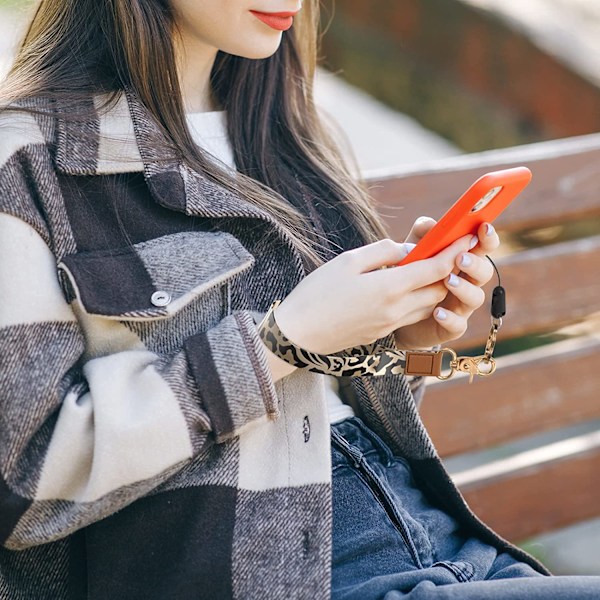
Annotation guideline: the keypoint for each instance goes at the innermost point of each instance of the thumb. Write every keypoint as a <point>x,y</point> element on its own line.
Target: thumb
<point>420,227</point>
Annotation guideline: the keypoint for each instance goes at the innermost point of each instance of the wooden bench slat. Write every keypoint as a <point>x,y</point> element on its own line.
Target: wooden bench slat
<point>495,158</point>
<point>542,496</point>
<point>535,459</point>
<point>565,185</point>
<point>545,288</point>
<point>532,391</point>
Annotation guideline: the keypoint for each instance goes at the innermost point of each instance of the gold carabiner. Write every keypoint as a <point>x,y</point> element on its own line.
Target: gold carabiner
<point>453,363</point>
<point>468,364</point>
<point>473,366</point>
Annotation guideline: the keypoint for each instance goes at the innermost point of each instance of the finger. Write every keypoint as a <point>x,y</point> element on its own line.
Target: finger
<point>430,270</point>
<point>454,324</point>
<point>373,256</point>
<point>420,227</point>
<point>475,269</point>
<point>425,298</point>
<point>466,297</point>
<point>488,239</point>
<point>415,316</point>
<point>421,306</point>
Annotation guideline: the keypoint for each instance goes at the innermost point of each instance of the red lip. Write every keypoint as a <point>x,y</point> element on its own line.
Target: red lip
<point>280,20</point>
<point>278,14</point>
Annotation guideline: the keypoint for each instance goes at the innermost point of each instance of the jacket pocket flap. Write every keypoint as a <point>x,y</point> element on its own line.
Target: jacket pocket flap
<point>153,279</point>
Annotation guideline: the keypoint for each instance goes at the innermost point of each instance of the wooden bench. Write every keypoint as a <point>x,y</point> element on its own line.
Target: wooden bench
<point>548,287</point>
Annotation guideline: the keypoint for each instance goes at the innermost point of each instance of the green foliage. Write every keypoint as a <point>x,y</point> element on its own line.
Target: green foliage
<point>536,550</point>
<point>526,342</point>
<point>15,4</point>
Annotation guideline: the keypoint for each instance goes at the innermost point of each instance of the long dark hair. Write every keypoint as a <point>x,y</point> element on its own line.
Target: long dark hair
<point>281,148</point>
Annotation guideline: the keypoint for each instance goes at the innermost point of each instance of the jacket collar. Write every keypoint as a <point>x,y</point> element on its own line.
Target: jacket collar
<point>125,139</point>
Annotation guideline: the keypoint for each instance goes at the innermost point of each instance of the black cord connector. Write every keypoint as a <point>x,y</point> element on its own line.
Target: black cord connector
<point>498,296</point>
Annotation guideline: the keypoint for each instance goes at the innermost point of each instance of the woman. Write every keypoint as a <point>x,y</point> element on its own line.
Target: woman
<point>164,177</point>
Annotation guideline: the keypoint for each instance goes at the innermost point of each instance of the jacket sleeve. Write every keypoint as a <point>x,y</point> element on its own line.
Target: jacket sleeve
<point>83,436</point>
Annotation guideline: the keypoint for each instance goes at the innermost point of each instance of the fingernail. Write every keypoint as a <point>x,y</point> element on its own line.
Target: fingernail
<point>453,280</point>
<point>465,260</point>
<point>473,242</point>
<point>489,229</point>
<point>408,246</point>
<point>440,314</point>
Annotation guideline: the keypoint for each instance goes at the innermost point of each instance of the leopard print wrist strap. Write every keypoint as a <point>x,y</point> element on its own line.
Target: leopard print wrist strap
<point>385,362</point>
<point>359,361</point>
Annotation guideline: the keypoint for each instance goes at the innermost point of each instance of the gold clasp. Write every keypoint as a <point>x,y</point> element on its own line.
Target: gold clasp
<point>430,363</point>
<point>473,365</point>
<point>453,362</point>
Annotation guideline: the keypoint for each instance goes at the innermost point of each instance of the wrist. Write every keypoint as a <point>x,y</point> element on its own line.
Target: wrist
<point>279,368</point>
<point>354,365</point>
<point>290,326</point>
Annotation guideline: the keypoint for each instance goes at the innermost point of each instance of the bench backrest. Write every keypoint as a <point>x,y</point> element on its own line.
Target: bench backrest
<point>548,287</point>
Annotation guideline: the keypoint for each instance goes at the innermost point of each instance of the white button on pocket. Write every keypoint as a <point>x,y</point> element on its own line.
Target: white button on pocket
<point>160,298</point>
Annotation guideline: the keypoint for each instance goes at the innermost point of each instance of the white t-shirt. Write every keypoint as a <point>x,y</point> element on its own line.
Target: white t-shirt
<point>209,130</point>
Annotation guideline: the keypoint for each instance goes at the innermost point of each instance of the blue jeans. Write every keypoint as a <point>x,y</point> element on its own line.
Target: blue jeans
<point>389,542</point>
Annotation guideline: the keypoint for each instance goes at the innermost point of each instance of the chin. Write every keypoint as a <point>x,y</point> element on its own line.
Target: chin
<point>257,49</point>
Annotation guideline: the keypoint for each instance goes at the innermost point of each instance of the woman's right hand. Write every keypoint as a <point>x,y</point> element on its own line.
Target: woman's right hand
<point>351,301</point>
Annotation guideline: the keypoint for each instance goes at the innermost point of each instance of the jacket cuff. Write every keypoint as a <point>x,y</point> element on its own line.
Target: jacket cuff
<point>230,367</point>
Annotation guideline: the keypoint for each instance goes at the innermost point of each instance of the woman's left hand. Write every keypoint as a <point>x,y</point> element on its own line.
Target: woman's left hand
<point>450,318</point>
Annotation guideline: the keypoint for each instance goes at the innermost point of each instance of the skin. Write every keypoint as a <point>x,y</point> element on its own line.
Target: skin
<point>206,27</point>
<point>404,300</point>
<point>411,300</point>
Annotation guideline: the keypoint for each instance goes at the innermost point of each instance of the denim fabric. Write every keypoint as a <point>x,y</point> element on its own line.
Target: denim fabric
<point>389,542</point>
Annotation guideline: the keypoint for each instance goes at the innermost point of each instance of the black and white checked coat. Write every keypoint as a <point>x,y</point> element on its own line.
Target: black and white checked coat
<point>145,451</point>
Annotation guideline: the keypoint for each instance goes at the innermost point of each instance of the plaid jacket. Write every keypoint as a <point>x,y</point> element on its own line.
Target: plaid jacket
<point>145,451</point>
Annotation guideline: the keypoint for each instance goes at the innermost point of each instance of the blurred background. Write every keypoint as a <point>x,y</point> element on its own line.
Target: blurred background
<point>428,95</point>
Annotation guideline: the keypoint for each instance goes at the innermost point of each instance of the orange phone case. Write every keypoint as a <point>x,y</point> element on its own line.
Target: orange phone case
<point>494,191</point>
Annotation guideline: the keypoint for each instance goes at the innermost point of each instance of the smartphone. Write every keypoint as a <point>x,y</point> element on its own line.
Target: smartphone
<point>481,203</point>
